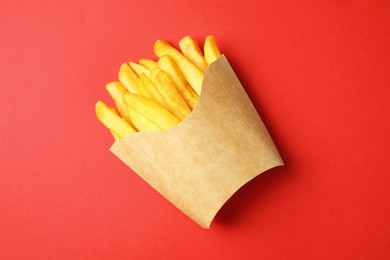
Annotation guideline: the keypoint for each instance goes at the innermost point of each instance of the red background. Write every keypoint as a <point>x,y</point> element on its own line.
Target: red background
<point>317,71</point>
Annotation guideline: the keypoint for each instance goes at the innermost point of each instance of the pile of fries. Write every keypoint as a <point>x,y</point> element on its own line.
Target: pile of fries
<point>157,95</point>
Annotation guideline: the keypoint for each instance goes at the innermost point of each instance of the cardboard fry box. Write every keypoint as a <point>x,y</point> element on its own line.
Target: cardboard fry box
<point>200,163</point>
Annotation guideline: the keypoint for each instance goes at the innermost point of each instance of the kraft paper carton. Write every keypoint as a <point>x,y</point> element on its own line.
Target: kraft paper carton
<point>200,163</point>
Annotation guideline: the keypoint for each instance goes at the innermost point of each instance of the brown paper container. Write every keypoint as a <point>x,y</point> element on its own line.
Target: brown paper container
<point>200,163</point>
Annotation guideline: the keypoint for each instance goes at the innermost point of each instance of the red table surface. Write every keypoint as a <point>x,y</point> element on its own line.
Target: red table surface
<point>318,72</point>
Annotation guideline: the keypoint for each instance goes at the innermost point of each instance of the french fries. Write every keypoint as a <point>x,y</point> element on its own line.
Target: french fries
<point>141,122</point>
<point>192,74</point>
<point>148,89</point>
<point>157,95</point>
<point>190,48</point>
<point>171,95</point>
<point>151,110</point>
<point>167,64</point>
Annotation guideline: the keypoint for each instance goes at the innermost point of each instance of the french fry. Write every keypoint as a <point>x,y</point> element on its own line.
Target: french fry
<point>153,73</point>
<point>171,95</point>
<point>167,64</point>
<point>211,51</point>
<point>190,48</point>
<point>116,137</point>
<point>116,91</point>
<point>112,120</point>
<point>191,73</point>
<point>148,89</point>
<point>139,69</point>
<point>141,122</point>
<point>151,110</point>
<point>128,78</point>
<point>143,88</point>
<point>147,63</point>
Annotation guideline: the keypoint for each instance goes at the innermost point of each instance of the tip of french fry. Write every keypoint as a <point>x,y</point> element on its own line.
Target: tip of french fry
<point>115,89</point>
<point>128,78</point>
<point>190,48</point>
<point>109,118</point>
<point>139,69</point>
<point>160,44</point>
<point>211,51</point>
<point>147,63</point>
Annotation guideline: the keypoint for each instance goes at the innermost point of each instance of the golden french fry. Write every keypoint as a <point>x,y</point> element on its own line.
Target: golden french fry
<point>114,110</point>
<point>211,51</point>
<point>116,137</point>
<point>191,73</point>
<point>171,95</point>
<point>141,122</point>
<point>116,91</point>
<point>149,90</point>
<point>139,69</point>
<point>151,110</point>
<point>112,120</point>
<point>147,63</point>
<point>190,48</point>
<point>153,73</point>
<point>167,64</point>
<point>143,88</point>
<point>128,78</point>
